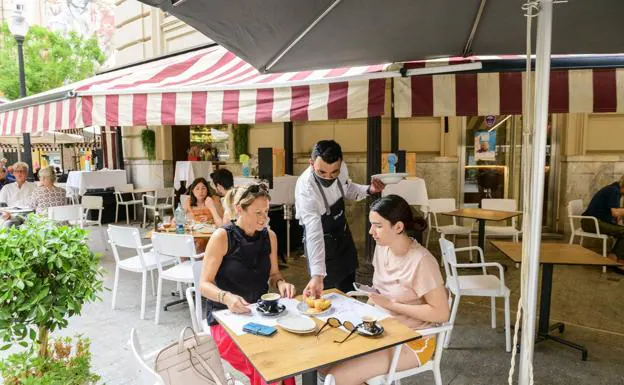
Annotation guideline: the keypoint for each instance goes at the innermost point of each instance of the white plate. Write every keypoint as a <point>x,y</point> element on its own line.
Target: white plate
<point>391,178</point>
<point>203,228</point>
<point>297,324</point>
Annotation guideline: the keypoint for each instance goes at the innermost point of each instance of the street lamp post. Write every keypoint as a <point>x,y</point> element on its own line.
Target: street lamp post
<point>19,28</point>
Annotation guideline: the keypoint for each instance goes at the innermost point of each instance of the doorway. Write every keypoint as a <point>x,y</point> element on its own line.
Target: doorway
<point>491,163</point>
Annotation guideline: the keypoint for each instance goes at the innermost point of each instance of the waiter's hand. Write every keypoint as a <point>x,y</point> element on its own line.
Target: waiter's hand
<point>314,288</point>
<point>376,186</point>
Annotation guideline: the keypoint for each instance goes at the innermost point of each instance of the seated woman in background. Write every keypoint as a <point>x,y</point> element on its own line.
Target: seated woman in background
<point>410,288</point>
<point>47,194</point>
<point>240,265</point>
<point>202,206</point>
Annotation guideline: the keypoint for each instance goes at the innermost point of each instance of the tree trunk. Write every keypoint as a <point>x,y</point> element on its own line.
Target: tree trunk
<point>44,335</point>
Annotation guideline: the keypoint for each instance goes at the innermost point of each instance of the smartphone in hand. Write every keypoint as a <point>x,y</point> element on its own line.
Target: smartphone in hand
<point>365,288</point>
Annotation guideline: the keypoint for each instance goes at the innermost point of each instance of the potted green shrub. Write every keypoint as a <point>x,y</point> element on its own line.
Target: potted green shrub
<point>47,273</point>
<point>148,142</point>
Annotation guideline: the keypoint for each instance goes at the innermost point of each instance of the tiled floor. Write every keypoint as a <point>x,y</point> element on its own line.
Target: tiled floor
<point>583,297</point>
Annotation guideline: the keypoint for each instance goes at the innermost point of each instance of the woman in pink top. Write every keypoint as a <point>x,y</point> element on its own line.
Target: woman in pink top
<point>410,287</point>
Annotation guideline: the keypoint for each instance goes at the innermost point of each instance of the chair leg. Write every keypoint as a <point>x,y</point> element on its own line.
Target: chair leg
<point>447,340</point>
<point>158,295</point>
<point>127,216</point>
<point>604,253</point>
<point>581,242</point>
<point>115,285</point>
<point>572,237</point>
<point>427,240</point>
<point>493,306</point>
<point>180,290</point>
<point>103,235</point>
<point>507,325</point>
<point>152,279</point>
<point>437,376</point>
<point>470,244</point>
<point>143,290</point>
<point>144,216</point>
<point>117,213</point>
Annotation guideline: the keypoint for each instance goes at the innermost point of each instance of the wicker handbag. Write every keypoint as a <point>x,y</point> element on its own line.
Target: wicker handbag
<point>192,360</point>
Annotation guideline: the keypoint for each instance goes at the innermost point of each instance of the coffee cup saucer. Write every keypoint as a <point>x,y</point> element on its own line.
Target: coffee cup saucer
<point>280,309</point>
<point>376,331</point>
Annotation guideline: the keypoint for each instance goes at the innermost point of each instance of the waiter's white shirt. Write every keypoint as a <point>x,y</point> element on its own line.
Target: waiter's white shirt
<point>310,207</point>
<point>15,196</point>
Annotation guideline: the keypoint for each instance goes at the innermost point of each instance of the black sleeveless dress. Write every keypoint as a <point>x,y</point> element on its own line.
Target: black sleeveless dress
<point>245,268</point>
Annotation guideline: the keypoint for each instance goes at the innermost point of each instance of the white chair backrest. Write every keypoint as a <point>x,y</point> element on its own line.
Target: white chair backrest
<point>197,271</point>
<point>499,204</point>
<point>124,236</point>
<point>441,205</point>
<point>184,198</point>
<point>92,202</point>
<point>575,207</point>
<point>147,375</point>
<point>450,261</point>
<point>128,187</point>
<point>173,245</point>
<point>65,213</point>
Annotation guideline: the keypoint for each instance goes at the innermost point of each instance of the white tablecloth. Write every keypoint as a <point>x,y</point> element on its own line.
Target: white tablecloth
<point>413,190</point>
<point>80,181</point>
<point>283,191</point>
<point>188,171</point>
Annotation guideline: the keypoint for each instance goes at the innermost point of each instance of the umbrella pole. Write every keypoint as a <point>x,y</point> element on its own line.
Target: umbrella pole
<point>536,183</point>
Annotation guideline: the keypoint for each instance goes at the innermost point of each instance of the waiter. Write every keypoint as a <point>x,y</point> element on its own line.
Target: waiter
<point>320,204</point>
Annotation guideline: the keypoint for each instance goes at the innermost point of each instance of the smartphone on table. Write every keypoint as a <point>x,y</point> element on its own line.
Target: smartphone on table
<point>259,330</point>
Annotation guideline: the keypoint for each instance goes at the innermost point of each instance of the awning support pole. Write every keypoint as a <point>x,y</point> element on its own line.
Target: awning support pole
<point>288,148</point>
<point>373,166</point>
<point>536,183</point>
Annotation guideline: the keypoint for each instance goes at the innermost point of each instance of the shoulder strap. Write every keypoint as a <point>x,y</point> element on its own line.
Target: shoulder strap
<point>204,365</point>
<point>327,210</point>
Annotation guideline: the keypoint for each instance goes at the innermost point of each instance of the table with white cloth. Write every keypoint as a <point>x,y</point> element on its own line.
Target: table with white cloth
<point>78,182</point>
<point>188,171</point>
<point>412,189</point>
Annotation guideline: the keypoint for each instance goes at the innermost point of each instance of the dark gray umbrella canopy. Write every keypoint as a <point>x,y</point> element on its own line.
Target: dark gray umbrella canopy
<point>359,32</point>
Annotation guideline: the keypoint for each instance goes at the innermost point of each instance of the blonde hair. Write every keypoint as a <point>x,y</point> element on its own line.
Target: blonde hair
<point>244,197</point>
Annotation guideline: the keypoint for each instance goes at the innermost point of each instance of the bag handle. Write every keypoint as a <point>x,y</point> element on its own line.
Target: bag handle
<point>193,354</point>
<point>181,340</point>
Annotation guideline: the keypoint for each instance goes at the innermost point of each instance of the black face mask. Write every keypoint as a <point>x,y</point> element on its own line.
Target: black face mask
<point>324,182</point>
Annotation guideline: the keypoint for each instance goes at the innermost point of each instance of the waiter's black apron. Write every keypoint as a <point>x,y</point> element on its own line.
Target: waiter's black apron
<point>341,259</point>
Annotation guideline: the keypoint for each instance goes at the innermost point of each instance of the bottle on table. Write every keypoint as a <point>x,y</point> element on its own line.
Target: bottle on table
<point>156,220</point>
<point>180,219</point>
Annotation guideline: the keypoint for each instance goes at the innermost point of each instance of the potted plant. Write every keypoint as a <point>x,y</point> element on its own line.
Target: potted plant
<point>148,141</point>
<point>47,273</point>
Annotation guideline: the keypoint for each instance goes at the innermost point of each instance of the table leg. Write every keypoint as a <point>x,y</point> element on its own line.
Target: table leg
<point>482,234</point>
<point>309,378</point>
<point>544,318</point>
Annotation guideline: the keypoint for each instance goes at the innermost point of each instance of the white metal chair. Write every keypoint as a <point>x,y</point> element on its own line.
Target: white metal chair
<point>476,285</point>
<point>433,365</point>
<point>143,262</point>
<point>93,203</point>
<point>147,375</point>
<point>502,231</point>
<point>68,213</point>
<point>119,192</point>
<point>194,300</point>
<point>445,205</point>
<point>172,245</point>
<point>161,200</point>
<point>575,211</point>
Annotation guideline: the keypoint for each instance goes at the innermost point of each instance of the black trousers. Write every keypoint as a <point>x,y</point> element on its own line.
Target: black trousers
<point>610,229</point>
<point>345,285</point>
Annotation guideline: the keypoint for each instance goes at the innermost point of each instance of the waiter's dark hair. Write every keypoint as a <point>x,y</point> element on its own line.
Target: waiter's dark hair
<point>328,150</point>
<point>395,209</point>
<point>223,177</point>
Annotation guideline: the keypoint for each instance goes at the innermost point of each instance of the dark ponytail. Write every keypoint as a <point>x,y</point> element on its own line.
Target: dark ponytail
<point>395,209</point>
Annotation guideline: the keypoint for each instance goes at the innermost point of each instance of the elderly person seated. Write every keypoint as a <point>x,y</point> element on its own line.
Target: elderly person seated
<point>46,194</point>
<point>16,194</point>
<point>3,178</point>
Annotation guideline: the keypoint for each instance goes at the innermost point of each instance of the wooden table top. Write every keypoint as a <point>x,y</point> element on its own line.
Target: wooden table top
<point>287,354</point>
<point>556,253</point>
<point>488,215</point>
<point>195,234</point>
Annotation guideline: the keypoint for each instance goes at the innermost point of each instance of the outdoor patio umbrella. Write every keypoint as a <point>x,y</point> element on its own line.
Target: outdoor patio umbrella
<point>289,35</point>
<point>284,35</point>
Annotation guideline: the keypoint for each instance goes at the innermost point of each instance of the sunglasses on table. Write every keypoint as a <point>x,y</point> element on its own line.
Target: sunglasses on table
<point>336,323</point>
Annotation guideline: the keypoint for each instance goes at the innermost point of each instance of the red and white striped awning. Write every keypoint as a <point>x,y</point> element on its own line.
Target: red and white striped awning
<point>207,86</point>
<point>502,93</point>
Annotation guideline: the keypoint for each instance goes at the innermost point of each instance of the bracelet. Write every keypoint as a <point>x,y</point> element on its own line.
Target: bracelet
<point>221,296</point>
